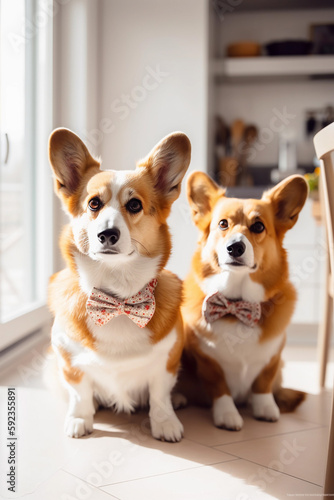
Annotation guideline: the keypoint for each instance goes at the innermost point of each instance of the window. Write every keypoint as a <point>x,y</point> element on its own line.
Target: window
<point>25,180</point>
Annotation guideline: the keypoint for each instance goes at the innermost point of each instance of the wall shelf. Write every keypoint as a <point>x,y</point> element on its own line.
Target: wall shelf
<point>274,67</point>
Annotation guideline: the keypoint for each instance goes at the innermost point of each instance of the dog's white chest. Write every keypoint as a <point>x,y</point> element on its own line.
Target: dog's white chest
<point>120,337</point>
<point>237,349</point>
<point>124,362</point>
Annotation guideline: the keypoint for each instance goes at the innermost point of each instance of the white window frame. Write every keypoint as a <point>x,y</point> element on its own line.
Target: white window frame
<point>39,120</point>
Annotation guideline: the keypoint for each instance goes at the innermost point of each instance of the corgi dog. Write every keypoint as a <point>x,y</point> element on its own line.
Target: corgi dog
<point>118,331</point>
<point>238,297</point>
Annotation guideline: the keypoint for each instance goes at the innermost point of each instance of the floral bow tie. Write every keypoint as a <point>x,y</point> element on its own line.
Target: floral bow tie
<point>217,306</point>
<point>140,308</point>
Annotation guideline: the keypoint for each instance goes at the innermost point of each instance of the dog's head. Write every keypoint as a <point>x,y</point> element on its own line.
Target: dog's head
<point>245,236</point>
<point>117,214</point>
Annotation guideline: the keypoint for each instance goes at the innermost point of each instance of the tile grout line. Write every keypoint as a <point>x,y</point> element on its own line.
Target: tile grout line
<point>281,472</point>
<point>231,443</point>
<point>39,485</point>
<point>167,473</point>
<point>311,421</point>
<point>97,488</point>
<point>236,458</point>
<point>209,447</point>
<point>214,447</point>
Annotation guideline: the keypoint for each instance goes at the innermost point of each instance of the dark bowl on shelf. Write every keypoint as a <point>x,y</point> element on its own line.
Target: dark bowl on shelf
<point>289,48</point>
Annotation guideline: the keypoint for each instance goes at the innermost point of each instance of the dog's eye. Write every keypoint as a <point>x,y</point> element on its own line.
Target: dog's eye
<point>134,206</point>
<point>257,227</point>
<point>95,204</point>
<point>223,224</point>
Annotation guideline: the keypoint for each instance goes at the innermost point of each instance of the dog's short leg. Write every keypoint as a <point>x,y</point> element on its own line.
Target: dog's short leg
<point>225,413</point>
<point>79,418</point>
<point>164,423</point>
<point>265,407</point>
<point>262,399</point>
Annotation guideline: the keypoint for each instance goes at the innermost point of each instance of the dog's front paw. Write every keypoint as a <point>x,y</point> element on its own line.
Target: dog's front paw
<point>169,429</point>
<point>76,427</point>
<point>226,415</point>
<point>264,407</point>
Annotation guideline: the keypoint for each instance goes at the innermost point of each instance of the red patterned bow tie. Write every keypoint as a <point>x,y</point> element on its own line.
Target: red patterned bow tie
<point>217,306</point>
<point>140,308</point>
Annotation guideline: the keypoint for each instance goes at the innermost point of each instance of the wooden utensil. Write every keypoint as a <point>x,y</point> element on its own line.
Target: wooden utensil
<point>237,133</point>
<point>250,136</point>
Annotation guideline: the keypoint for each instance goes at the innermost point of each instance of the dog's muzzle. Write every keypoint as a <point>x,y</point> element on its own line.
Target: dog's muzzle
<point>238,252</point>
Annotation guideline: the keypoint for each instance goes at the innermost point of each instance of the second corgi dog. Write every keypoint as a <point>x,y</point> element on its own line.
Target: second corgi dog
<point>238,297</point>
<point>117,334</point>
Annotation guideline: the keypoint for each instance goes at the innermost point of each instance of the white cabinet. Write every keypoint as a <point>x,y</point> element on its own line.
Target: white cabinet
<point>306,247</point>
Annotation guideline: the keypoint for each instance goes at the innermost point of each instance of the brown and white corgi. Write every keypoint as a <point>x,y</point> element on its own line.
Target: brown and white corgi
<point>238,297</point>
<point>117,333</point>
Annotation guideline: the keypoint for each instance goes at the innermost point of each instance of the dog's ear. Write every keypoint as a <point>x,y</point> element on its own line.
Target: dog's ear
<point>287,199</point>
<point>166,164</point>
<point>203,194</point>
<point>70,161</point>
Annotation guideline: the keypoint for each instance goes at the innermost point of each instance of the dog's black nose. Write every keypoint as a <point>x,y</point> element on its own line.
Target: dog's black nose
<point>109,236</point>
<point>236,249</point>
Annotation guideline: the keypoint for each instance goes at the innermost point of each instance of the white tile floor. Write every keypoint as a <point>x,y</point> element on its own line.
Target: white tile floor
<point>120,460</point>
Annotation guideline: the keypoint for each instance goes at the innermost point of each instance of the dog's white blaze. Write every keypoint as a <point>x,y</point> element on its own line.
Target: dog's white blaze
<point>109,218</point>
<point>119,180</point>
<point>237,349</point>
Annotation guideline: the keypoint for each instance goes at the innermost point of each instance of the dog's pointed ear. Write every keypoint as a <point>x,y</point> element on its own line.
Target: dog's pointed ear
<point>70,161</point>
<point>167,164</point>
<point>287,199</point>
<point>202,193</point>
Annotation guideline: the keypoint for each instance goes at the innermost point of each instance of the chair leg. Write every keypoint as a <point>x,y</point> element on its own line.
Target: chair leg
<point>324,337</point>
<point>329,480</point>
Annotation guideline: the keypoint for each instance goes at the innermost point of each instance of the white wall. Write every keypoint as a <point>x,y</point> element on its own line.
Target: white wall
<point>138,39</point>
<point>306,246</point>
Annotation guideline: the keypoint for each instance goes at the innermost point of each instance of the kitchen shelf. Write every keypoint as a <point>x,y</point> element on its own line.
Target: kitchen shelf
<point>258,5</point>
<point>287,67</point>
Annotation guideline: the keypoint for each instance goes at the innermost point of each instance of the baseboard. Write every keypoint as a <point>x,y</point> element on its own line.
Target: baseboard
<point>12,355</point>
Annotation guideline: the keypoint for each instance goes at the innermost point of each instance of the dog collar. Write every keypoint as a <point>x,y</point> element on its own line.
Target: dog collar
<point>140,308</point>
<point>216,306</point>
